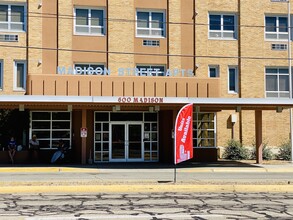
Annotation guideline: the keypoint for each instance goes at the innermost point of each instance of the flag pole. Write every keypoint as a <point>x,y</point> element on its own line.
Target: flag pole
<point>175,174</point>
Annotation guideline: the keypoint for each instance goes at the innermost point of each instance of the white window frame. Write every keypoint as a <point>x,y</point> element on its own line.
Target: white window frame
<point>51,129</point>
<point>217,68</point>
<point>277,33</point>
<point>1,75</point>
<point>15,87</point>
<point>197,128</point>
<point>278,74</point>
<point>150,23</point>
<point>236,80</point>
<point>222,31</point>
<point>9,22</point>
<point>89,25</point>
<point>153,67</point>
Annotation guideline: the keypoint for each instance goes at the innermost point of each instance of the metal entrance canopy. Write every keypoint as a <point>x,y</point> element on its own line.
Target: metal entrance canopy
<point>220,103</point>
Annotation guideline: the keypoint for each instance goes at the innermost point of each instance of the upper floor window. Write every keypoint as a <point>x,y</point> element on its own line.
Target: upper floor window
<point>150,24</point>
<point>89,21</point>
<point>213,71</point>
<point>12,18</point>
<point>19,75</point>
<point>1,74</point>
<point>277,83</point>
<point>222,26</point>
<point>232,80</point>
<point>150,70</point>
<point>276,28</point>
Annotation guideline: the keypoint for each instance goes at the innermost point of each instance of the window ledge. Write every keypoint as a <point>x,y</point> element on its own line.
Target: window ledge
<point>227,39</point>
<point>89,35</point>
<point>11,31</point>
<point>277,40</point>
<point>19,90</point>
<point>150,36</point>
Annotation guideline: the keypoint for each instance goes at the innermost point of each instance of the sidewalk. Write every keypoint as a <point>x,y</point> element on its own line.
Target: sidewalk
<point>220,166</point>
<point>225,176</point>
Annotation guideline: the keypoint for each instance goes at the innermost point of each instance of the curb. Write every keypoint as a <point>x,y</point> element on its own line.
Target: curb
<point>47,170</point>
<point>147,189</point>
<point>183,170</point>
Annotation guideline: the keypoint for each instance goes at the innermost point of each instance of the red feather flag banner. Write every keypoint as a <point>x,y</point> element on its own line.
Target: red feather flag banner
<point>183,134</point>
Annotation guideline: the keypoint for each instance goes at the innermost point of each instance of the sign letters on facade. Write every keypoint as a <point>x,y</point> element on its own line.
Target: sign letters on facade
<point>61,70</point>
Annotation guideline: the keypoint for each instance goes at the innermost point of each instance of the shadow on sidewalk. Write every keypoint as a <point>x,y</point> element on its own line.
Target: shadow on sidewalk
<point>187,164</point>
<point>139,165</point>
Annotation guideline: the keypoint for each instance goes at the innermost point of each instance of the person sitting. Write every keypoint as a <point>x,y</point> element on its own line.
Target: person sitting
<point>11,149</point>
<point>59,154</point>
<point>34,148</point>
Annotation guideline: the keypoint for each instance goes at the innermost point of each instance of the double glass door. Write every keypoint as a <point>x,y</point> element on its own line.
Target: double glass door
<point>126,142</point>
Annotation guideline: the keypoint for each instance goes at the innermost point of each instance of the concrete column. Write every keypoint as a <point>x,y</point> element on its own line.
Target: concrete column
<point>258,136</point>
<point>83,140</point>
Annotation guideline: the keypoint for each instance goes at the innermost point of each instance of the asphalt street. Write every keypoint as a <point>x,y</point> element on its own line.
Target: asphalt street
<point>146,206</point>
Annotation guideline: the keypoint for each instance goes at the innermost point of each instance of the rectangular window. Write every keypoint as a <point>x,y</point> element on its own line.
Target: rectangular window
<point>1,74</point>
<point>277,83</point>
<point>20,75</point>
<point>276,28</point>
<point>150,24</point>
<point>12,18</point>
<point>50,127</point>
<point>222,26</point>
<point>90,69</point>
<point>213,71</point>
<point>150,70</point>
<point>89,21</point>
<point>204,129</point>
<point>232,80</point>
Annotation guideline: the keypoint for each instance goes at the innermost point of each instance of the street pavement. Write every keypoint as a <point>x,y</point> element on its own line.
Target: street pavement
<point>222,176</point>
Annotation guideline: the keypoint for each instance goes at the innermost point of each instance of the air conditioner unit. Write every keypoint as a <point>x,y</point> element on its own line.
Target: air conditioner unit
<point>151,43</point>
<point>8,38</point>
<point>279,46</point>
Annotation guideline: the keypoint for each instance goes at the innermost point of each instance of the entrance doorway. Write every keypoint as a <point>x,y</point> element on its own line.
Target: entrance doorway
<point>126,142</point>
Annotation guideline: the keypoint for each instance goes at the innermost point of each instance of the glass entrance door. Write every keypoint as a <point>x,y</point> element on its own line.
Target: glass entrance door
<point>126,142</point>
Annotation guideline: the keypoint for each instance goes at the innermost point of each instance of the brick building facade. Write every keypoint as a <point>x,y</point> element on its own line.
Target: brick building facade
<point>89,59</point>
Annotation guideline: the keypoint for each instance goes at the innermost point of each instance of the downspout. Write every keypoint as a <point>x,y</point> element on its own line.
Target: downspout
<point>27,46</point>
<point>107,34</point>
<point>57,32</point>
<point>240,71</point>
<point>194,37</point>
<point>167,35</point>
<point>290,76</point>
